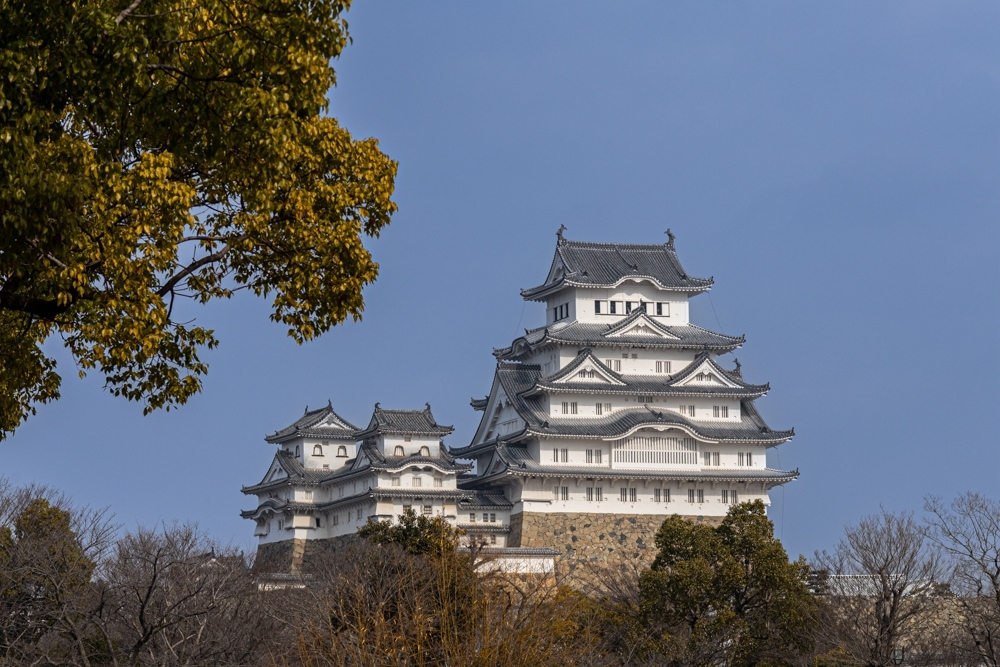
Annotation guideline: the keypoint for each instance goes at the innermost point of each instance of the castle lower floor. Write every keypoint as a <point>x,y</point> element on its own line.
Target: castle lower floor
<point>584,541</point>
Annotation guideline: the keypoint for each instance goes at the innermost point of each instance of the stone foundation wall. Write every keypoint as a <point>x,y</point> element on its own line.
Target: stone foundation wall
<point>595,539</point>
<point>295,556</point>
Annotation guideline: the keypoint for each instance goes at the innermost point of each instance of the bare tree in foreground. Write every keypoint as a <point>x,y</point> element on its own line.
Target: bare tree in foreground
<point>880,600</point>
<point>969,532</point>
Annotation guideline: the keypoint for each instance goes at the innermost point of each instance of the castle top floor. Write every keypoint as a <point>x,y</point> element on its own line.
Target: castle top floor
<point>605,282</point>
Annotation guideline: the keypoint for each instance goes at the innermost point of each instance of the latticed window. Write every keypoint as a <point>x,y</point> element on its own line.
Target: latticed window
<point>656,449</point>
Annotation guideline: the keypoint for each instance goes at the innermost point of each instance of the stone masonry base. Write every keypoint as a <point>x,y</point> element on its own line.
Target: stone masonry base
<point>593,539</point>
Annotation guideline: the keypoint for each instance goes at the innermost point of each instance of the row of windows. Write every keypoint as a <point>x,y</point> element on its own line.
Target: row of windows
<point>399,451</point>
<point>562,455</point>
<point>560,312</point>
<point>416,481</point>
<point>616,364</point>
<point>713,458</point>
<point>718,411</point>
<point>631,495</point>
<point>488,517</point>
<point>318,451</point>
<point>573,408</point>
<point>625,307</point>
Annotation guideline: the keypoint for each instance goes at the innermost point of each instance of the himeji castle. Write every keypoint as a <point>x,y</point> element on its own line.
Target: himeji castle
<point>614,414</point>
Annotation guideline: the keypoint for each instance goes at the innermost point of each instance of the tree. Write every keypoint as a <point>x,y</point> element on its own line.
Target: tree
<point>881,593</point>
<point>157,151</point>
<point>724,595</point>
<point>969,532</point>
<point>411,595</point>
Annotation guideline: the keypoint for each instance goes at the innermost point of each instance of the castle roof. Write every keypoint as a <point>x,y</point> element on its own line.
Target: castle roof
<point>583,264</point>
<point>636,330</point>
<point>568,380</point>
<point>517,460</point>
<point>521,384</point>
<point>322,423</point>
<point>404,422</point>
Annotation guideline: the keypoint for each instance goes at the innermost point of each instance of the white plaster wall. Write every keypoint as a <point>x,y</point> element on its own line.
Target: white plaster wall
<point>587,405</point>
<point>412,446</point>
<point>582,300</point>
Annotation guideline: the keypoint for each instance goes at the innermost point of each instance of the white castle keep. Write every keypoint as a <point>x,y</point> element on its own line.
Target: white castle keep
<point>613,415</point>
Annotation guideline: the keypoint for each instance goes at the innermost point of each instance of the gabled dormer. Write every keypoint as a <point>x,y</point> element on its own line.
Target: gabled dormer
<point>588,369</point>
<point>639,323</point>
<point>403,433</point>
<point>705,372</point>
<point>319,439</point>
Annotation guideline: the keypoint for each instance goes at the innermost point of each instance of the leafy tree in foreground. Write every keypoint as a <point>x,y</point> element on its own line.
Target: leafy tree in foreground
<point>157,150</point>
<point>724,595</point>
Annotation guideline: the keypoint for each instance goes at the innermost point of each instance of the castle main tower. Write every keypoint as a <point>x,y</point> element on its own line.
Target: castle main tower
<point>617,412</point>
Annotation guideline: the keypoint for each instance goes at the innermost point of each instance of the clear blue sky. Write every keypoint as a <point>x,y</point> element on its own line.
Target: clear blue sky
<point>833,165</point>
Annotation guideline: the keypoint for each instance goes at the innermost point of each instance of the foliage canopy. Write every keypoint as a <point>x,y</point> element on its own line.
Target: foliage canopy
<point>155,150</point>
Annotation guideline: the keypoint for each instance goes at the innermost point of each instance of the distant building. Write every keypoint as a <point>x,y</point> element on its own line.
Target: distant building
<point>598,425</point>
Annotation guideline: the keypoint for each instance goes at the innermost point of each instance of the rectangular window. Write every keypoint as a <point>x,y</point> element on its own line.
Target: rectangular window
<point>565,455</point>
<point>691,411</point>
<point>732,497</point>
<point>598,455</point>
<point>628,307</point>
<point>438,482</point>
<point>416,480</point>
<point>493,517</point>
<point>618,366</point>
<point>725,411</point>
<point>607,408</point>
<point>599,493</point>
<point>573,408</point>
<point>565,407</point>
<point>644,399</point>
<point>565,493</point>
<point>406,508</point>
<point>615,307</point>
<point>628,495</point>
<point>725,497</point>
<point>624,494</point>
<point>749,458</point>
<point>642,306</point>
<point>427,510</point>
<point>715,411</point>
<point>590,494</point>
<point>666,495</point>
<point>555,493</point>
<point>715,458</point>
<point>690,495</point>
<point>599,409</point>
<point>395,480</point>
<point>472,517</point>
<point>590,456</point>
<point>335,520</point>
<point>624,355</point>
<point>597,307</point>
<point>662,366</point>
<point>555,456</point>
<point>663,309</point>
<point>635,355</point>
<point>739,459</point>
<point>656,495</point>
<point>359,514</point>
<point>319,523</point>
<point>707,457</point>
<point>486,517</point>
<point>701,495</point>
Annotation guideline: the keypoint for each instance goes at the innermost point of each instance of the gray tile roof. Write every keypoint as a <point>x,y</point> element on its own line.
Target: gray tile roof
<point>520,383</point>
<point>322,423</point>
<point>661,386</point>
<point>595,334</point>
<point>404,422</point>
<point>608,264</point>
<point>516,460</point>
<point>484,500</point>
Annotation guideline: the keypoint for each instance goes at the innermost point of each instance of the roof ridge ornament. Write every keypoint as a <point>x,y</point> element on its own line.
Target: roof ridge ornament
<point>559,235</point>
<point>670,239</point>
